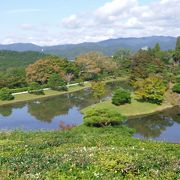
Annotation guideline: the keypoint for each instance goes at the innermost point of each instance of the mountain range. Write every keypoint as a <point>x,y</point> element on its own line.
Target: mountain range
<point>108,47</point>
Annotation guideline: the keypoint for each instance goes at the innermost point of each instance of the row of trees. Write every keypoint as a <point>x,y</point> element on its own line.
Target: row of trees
<point>151,68</point>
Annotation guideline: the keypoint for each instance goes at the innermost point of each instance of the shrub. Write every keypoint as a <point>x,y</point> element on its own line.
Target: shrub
<point>102,117</point>
<point>151,89</point>
<point>177,79</point>
<point>5,95</point>
<point>176,88</point>
<point>35,88</point>
<point>121,96</point>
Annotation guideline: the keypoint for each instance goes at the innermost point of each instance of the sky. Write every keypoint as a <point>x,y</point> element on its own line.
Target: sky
<point>52,22</point>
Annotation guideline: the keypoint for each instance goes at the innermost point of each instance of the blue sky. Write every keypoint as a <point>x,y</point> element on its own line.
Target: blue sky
<point>49,22</point>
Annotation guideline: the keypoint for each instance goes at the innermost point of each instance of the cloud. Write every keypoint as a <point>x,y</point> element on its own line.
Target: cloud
<point>117,18</point>
<point>125,18</point>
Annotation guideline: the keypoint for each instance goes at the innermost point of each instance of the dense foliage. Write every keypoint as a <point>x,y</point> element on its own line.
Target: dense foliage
<point>5,95</point>
<point>98,89</point>
<point>121,96</point>
<point>86,153</point>
<point>35,88</point>
<point>176,88</point>
<point>56,82</point>
<point>151,89</point>
<point>102,117</point>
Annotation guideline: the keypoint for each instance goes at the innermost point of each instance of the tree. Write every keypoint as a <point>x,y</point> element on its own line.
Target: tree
<point>178,44</point>
<point>143,64</point>
<point>151,89</point>
<point>56,82</point>
<point>42,69</point>
<point>68,77</point>
<point>87,64</point>
<point>121,96</point>
<point>123,60</point>
<point>93,63</point>
<point>176,56</point>
<point>98,89</point>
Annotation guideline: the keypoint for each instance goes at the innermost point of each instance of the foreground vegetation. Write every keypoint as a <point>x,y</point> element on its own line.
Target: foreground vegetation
<point>86,153</point>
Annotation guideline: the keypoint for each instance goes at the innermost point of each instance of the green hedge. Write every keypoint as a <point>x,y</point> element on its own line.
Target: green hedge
<point>5,95</point>
<point>176,88</point>
<point>102,117</point>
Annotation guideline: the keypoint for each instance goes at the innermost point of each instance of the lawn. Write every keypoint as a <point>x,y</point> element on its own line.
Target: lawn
<point>86,153</point>
<point>133,109</point>
<point>47,93</point>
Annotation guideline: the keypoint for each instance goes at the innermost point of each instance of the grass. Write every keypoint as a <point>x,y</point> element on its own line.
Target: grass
<point>86,153</point>
<point>49,93</point>
<point>136,108</point>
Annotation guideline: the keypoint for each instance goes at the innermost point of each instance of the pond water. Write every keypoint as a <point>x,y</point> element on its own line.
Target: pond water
<point>51,113</point>
<point>163,126</point>
<point>47,114</point>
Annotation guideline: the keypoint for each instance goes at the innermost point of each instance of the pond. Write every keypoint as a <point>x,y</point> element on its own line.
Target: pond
<point>51,113</point>
<point>163,126</point>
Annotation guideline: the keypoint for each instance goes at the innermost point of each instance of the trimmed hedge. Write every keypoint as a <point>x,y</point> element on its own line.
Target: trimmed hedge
<point>102,117</point>
<point>176,88</point>
<point>121,96</point>
<point>5,95</point>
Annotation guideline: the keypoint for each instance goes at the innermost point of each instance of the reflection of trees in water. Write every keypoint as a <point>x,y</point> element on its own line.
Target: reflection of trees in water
<point>174,113</point>
<point>47,109</point>
<point>7,110</point>
<point>151,126</point>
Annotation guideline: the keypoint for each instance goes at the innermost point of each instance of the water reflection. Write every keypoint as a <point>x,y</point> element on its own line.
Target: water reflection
<point>161,126</point>
<point>47,113</point>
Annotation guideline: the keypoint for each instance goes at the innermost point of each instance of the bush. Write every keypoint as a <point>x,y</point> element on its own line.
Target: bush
<point>102,117</point>
<point>121,96</point>
<point>176,88</point>
<point>5,95</point>
<point>35,88</point>
<point>177,79</point>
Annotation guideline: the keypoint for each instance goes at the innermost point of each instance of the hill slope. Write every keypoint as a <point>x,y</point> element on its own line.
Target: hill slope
<point>108,47</point>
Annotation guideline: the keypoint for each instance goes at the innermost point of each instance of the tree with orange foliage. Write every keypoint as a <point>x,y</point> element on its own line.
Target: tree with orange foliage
<point>42,69</point>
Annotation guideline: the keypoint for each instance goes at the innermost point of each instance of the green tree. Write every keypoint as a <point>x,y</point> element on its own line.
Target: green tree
<point>151,89</point>
<point>176,56</point>
<point>121,96</point>
<point>123,60</point>
<point>98,89</point>
<point>56,82</point>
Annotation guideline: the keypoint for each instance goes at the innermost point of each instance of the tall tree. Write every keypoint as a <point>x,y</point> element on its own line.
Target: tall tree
<point>42,69</point>
<point>98,89</point>
<point>176,56</point>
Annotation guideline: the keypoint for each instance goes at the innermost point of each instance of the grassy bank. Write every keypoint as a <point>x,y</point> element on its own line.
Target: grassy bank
<point>136,108</point>
<point>49,93</point>
<point>86,153</point>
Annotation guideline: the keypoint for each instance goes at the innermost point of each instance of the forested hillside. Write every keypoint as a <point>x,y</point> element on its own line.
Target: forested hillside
<point>107,47</point>
<point>9,59</point>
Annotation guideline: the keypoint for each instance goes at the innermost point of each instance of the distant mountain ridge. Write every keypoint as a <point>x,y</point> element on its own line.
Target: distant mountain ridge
<point>108,47</point>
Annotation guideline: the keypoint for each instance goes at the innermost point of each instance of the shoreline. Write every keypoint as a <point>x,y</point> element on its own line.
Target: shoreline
<point>132,115</point>
<point>26,97</point>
